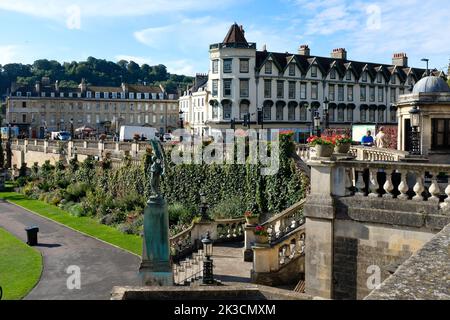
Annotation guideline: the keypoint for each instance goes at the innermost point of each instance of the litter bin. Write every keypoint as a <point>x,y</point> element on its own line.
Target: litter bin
<point>32,233</point>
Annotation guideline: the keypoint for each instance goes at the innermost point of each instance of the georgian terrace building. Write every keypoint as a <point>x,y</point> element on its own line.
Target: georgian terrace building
<point>291,87</point>
<point>47,106</point>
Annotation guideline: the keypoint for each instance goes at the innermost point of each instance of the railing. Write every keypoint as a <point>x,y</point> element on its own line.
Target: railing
<point>286,221</point>
<point>92,144</point>
<point>430,182</point>
<point>189,270</point>
<point>37,148</point>
<point>362,153</point>
<point>189,240</point>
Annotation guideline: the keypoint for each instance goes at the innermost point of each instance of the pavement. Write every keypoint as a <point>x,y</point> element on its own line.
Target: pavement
<point>102,266</point>
<point>229,265</point>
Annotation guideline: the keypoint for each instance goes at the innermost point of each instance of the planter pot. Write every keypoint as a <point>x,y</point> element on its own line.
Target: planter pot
<point>252,220</point>
<point>324,150</point>
<point>342,148</point>
<point>261,239</point>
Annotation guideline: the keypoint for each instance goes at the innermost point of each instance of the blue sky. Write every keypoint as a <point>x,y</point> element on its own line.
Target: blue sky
<point>177,32</point>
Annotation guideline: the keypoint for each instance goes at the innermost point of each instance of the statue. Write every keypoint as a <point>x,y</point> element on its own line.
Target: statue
<point>157,169</point>
<point>155,269</point>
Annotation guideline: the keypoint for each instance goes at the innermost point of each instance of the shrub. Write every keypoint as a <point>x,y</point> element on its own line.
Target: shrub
<point>22,181</point>
<point>178,213</point>
<point>76,210</point>
<point>76,191</point>
<point>44,186</point>
<point>229,208</point>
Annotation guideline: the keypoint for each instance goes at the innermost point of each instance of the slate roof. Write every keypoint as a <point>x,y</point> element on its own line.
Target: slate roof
<point>235,35</point>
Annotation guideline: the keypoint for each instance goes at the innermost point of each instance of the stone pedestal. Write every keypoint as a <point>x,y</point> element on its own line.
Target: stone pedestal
<point>156,269</point>
<point>248,242</point>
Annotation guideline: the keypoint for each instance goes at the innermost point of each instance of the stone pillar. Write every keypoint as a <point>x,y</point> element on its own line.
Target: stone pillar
<point>248,242</point>
<point>156,269</point>
<point>45,146</point>
<point>319,210</point>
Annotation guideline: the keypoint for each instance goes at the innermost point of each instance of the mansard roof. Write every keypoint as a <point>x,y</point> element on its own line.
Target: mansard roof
<point>325,64</point>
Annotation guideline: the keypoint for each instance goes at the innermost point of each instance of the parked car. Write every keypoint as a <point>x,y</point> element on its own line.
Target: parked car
<point>60,135</point>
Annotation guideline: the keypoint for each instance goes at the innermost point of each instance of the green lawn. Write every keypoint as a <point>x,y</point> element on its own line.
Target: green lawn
<point>20,266</point>
<point>87,225</point>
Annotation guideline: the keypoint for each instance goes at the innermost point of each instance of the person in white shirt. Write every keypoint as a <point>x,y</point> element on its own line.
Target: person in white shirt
<point>380,139</point>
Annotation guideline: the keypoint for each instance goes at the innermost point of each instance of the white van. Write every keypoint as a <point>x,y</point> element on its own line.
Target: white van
<point>127,133</point>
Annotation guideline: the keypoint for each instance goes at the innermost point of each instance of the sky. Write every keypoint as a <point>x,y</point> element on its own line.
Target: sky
<point>177,33</point>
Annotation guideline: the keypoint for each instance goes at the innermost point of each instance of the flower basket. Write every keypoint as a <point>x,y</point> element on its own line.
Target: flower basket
<point>251,218</point>
<point>324,150</point>
<point>260,239</point>
<point>342,148</point>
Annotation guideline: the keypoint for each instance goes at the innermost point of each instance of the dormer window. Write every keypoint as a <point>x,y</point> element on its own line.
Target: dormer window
<point>89,94</point>
<point>268,67</point>
<point>18,93</point>
<point>97,95</point>
<point>146,95</point>
<point>348,75</point>
<point>393,81</point>
<point>333,73</point>
<point>122,95</point>
<point>314,71</point>
<point>379,77</point>
<point>292,70</point>
<point>70,94</point>
<point>42,94</point>
<point>139,95</point>
<point>106,95</point>
<point>131,95</point>
<point>114,95</point>
<point>52,94</point>
<point>28,94</point>
<point>61,94</point>
<point>364,76</point>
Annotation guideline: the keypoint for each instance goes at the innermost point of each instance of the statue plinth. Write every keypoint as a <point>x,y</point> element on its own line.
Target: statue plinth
<point>156,269</point>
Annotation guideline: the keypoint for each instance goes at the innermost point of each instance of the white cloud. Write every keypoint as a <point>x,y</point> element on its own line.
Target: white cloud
<point>180,66</point>
<point>9,54</point>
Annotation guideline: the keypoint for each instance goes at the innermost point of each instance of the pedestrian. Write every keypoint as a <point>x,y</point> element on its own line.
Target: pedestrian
<point>367,140</point>
<point>380,139</point>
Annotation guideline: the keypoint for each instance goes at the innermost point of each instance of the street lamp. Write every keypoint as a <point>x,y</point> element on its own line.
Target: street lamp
<point>414,114</point>
<point>425,60</point>
<point>317,123</point>
<point>204,207</point>
<point>71,128</point>
<point>325,111</point>
<point>181,119</point>
<point>208,274</point>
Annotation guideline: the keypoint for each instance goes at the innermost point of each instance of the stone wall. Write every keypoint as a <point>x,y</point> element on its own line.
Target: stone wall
<point>362,251</point>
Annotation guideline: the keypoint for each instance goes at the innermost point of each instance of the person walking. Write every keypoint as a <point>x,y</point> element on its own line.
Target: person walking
<point>380,139</point>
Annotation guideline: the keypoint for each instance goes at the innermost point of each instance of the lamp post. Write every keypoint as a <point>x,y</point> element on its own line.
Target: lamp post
<point>208,274</point>
<point>414,114</point>
<point>8,148</point>
<point>71,129</point>
<point>325,111</point>
<point>425,60</point>
<point>204,207</point>
<point>180,113</point>
<point>317,123</point>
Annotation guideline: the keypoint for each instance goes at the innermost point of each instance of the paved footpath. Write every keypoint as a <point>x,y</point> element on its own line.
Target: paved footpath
<point>102,266</point>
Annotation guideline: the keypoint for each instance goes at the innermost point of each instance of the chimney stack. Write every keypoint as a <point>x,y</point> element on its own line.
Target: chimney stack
<point>264,48</point>
<point>57,86</point>
<point>339,53</point>
<point>303,50</point>
<point>83,86</point>
<point>400,59</point>
<point>241,27</point>
<point>37,87</point>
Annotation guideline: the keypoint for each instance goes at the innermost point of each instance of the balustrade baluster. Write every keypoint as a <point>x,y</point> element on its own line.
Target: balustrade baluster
<point>434,189</point>
<point>360,184</point>
<point>447,190</point>
<point>403,186</point>
<point>348,182</point>
<point>418,187</point>
<point>373,184</point>
<point>388,186</point>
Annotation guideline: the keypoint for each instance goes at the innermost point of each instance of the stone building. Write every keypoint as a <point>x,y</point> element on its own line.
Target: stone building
<point>290,88</point>
<point>193,105</point>
<point>49,107</point>
<point>431,96</point>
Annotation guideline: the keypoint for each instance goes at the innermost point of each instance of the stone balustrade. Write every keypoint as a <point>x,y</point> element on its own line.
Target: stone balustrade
<point>277,261</point>
<point>401,181</point>
<point>186,242</point>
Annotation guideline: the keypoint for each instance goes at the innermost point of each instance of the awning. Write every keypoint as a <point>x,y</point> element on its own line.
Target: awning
<point>381,107</point>
<point>315,104</point>
<point>226,101</point>
<point>244,101</point>
<point>303,104</point>
<point>268,103</point>
<point>332,106</point>
<point>373,107</point>
<point>351,106</point>
<point>393,107</point>
<point>213,102</point>
<point>342,106</point>
<point>84,129</point>
<point>364,107</point>
<point>292,104</point>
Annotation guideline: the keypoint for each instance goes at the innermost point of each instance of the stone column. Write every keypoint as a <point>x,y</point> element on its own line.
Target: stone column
<point>248,242</point>
<point>319,210</point>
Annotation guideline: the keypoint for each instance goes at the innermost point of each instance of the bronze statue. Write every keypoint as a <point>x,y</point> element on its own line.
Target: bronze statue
<point>157,168</point>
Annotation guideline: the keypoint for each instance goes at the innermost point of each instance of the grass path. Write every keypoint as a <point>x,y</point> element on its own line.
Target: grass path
<point>20,266</point>
<point>86,225</point>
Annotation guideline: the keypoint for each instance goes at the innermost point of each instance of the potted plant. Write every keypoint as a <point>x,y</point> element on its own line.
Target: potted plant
<point>251,218</point>
<point>343,143</point>
<point>102,137</point>
<point>324,146</point>
<point>261,235</point>
<point>136,137</point>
